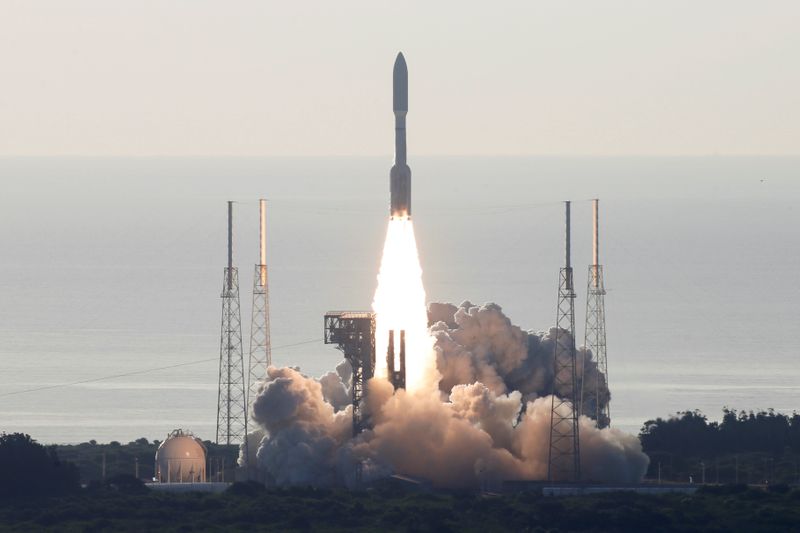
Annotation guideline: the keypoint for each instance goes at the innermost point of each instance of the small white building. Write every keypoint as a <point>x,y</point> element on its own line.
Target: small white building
<point>181,458</point>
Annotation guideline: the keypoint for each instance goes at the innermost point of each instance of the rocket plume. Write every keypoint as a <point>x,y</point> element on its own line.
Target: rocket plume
<point>399,302</point>
<point>399,305</point>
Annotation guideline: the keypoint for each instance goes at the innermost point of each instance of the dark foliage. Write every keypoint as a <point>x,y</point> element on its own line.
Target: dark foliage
<point>748,447</point>
<point>28,469</point>
<point>127,459</point>
<point>247,488</point>
<point>126,483</point>
<point>690,433</point>
<point>106,509</point>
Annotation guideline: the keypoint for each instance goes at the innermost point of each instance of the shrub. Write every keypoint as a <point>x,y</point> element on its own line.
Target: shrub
<point>29,469</point>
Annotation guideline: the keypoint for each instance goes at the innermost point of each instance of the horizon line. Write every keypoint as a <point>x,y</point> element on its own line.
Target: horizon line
<point>389,156</point>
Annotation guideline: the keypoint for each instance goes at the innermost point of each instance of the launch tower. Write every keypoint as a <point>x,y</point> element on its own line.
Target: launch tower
<point>354,333</point>
<point>232,395</point>
<point>260,348</point>
<point>564,460</point>
<point>595,397</point>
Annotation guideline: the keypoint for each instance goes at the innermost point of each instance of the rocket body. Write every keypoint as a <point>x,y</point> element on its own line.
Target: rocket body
<point>400,175</point>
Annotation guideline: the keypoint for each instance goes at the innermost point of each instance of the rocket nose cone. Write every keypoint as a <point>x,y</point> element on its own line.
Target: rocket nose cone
<point>400,83</point>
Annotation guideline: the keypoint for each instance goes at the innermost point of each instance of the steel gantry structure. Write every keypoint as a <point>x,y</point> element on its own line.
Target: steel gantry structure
<point>232,395</point>
<point>260,345</point>
<point>354,334</point>
<point>595,396</point>
<point>564,458</point>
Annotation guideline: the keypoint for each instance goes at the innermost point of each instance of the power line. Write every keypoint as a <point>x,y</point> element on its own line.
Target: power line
<point>136,372</point>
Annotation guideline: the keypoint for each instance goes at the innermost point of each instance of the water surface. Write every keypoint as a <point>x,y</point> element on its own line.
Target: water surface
<point>114,266</point>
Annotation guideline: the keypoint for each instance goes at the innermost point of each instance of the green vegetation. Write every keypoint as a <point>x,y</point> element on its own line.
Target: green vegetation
<point>28,469</point>
<point>251,508</point>
<point>746,447</point>
<point>121,459</point>
<point>40,490</point>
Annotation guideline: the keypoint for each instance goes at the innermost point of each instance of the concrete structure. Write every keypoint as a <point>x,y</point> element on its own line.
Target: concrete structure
<point>579,489</point>
<point>400,175</point>
<point>213,487</point>
<point>181,458</point>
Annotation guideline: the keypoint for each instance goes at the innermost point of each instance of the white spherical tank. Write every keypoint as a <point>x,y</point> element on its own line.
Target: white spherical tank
<point>181,458</point>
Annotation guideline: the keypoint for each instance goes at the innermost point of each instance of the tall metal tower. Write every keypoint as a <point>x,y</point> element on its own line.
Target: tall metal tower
<point>232,396</point>
<point>354,333</point>
<point>564,460</point>
<point>595,398</point>
<point>260,348</point>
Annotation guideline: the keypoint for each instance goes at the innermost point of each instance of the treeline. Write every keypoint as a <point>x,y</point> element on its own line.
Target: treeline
<point>29,469</point>
<point>690,433</point>
<point>745,447</point>
<point>246,507</point>
<point>136,458</point>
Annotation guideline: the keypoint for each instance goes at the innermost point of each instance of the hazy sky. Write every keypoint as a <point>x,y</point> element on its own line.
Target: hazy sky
<point>212,77</point>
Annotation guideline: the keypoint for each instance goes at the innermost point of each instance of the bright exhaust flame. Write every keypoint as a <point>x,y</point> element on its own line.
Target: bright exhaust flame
<point>399,305</point>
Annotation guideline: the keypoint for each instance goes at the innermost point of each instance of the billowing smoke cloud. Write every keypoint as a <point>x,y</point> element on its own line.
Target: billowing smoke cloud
<point>302,430</point>
<point>481,344</point>
<point>336,386</point>
<point>467,433</point>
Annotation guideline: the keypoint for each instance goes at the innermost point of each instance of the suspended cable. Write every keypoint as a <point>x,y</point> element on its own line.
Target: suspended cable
<point>137,372</point>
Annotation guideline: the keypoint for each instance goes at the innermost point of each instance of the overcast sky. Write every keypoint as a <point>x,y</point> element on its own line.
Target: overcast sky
<point>264,78</point>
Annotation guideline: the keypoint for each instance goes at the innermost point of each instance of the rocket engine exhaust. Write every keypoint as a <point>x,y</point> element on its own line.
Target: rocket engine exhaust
<point>401,322</point>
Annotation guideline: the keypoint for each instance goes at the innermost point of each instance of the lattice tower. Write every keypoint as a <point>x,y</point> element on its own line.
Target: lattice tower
<point>564,462</point>
<point>260,345</point>
<point>595,396</point>
<point>232,395</point>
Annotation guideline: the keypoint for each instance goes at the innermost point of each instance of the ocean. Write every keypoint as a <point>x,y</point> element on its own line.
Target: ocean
<point>111,271</point>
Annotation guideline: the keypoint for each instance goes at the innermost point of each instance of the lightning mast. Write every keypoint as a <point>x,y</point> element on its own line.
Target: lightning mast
<point>595,398</point>
<point>232,395</point>
<point>564,459</point>
<point>260,348</point>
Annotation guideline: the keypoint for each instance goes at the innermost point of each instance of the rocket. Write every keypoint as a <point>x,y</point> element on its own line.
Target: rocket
<point>400,175</point>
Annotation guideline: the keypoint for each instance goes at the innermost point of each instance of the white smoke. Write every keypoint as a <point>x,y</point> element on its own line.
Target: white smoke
<point>466,433</point>
<point>302,430</point>
<point>336,386</point>
<point>481,344</point>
